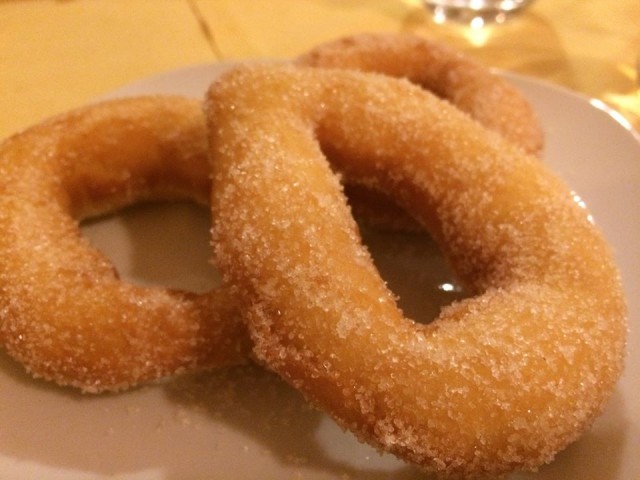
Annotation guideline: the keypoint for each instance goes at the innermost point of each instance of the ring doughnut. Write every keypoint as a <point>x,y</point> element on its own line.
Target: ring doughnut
<point>64,313</point>
<point>500,381</point>
<point>448,73</point>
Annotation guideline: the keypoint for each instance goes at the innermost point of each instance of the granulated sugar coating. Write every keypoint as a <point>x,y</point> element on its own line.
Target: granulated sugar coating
<point>500,381</point>
<point>64,313</point>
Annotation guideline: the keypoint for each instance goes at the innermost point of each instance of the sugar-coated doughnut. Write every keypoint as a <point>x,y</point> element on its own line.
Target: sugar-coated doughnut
<point>64,313</point>
<point>445,71</point>
<point>500,381</point>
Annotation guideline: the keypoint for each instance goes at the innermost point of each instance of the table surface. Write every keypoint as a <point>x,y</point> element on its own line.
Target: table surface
<point>55,55</point>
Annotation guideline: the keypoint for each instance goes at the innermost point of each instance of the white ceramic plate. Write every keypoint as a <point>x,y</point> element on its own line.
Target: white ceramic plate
<point>248,425</point>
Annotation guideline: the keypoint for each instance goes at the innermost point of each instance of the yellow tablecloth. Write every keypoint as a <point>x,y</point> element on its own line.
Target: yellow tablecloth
<point>55,55</point>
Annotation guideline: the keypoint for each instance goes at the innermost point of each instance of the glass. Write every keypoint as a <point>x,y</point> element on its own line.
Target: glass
<point>475,12</point>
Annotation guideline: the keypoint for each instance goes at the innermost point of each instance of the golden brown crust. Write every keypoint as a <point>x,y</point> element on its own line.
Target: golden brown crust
<point>501,381</point>
<point>64,313</point>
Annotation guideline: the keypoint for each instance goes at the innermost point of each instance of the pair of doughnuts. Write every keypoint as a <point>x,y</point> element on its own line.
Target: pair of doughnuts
<point>498,382</point>
<point>64,313</point>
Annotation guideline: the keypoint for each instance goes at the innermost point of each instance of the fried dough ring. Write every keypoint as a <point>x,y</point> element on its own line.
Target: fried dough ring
<point>63,311</point>
<point>498,382</point>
